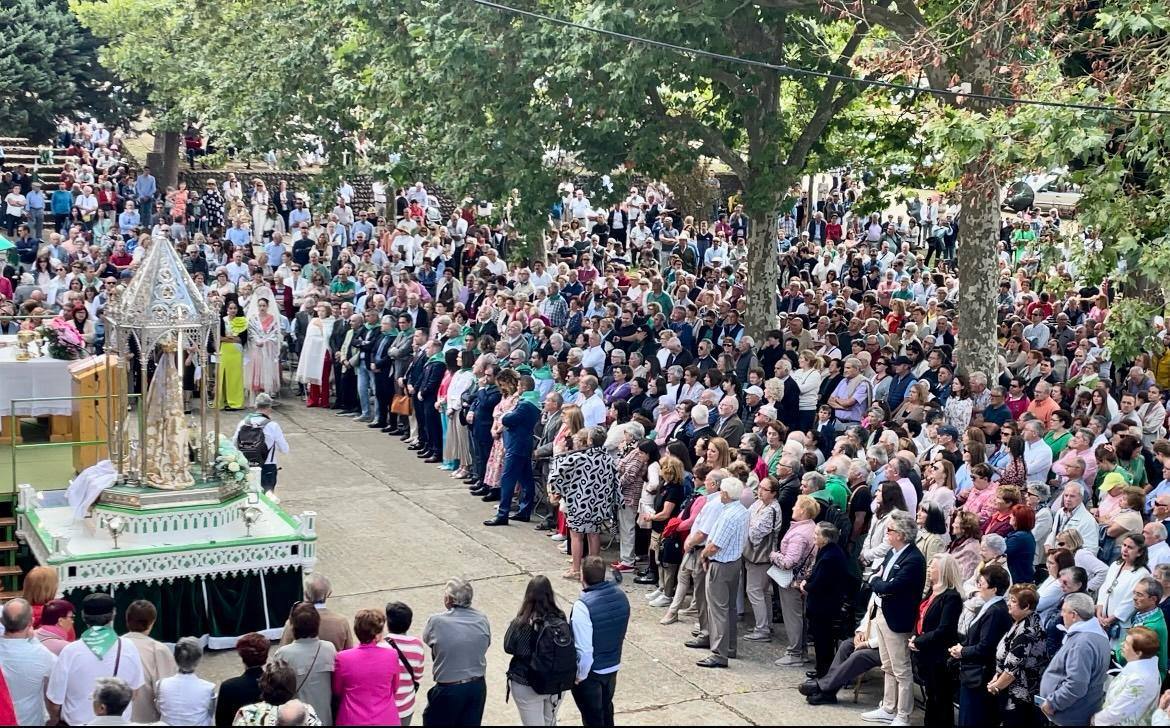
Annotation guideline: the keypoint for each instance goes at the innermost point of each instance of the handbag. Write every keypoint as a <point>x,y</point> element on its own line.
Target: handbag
<point>402,405</point>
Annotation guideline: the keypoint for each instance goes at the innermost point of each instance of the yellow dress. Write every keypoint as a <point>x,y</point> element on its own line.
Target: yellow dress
<point>229,377</point>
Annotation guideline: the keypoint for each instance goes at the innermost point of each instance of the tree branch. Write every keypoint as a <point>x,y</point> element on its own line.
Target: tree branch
<point>829,104</point>
<point>712,143</point>
<point>897,21</point>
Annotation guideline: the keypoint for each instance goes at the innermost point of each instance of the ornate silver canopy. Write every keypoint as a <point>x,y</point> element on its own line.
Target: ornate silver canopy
<point>160,299</point>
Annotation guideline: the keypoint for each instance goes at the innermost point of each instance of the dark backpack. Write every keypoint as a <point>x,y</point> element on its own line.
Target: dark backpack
<point>553,667</point>
<point>251,442</point>
<point>833,514</point>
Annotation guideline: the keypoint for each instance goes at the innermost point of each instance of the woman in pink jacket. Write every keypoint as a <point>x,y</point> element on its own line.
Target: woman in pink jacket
<point>794,557</point>
<point>366,677</point>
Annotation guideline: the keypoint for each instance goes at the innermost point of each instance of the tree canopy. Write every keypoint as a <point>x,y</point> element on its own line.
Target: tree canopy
<point>49,70</point>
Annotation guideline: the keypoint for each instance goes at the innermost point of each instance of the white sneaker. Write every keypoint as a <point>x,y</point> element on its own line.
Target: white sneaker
<point>880,715</point>
<point>899,721</point>
<point>661,601</point>
<point>791,661</point>
<point>564,549</point>
<point>654,594</point>
<point>557,537</point>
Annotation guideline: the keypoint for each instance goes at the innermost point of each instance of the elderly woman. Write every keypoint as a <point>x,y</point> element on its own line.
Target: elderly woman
<point>794,557</point>
<point>278,685</point>
<point>992,551</point>
<point>824,589</point>
<point>934,633</point>
<point>585,479</point>
<point>312,658</point>
<point>1006,497</point>
<point>631,473</point>
<point>1133,694</point>
<point>366,677</point>
<point>186,698</point>
<point>243,689</point>
<point>1020,659</point>
<point>976,653</point>
<point>764,520</point>
<point>56,630</point>
<point>1095,568</point>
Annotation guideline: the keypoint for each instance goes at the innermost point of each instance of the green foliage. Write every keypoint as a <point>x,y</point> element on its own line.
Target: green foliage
<point>49,69</point>
<point>1129,329</point>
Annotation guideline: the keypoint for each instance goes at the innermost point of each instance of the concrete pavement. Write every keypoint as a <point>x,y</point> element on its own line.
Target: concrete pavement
<point>393,528</point>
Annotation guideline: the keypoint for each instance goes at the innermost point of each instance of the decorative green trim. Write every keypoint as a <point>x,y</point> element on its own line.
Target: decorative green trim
<point>122,553</point>
<point>108,507</point>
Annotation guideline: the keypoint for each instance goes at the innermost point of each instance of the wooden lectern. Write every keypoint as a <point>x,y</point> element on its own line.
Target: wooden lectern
<point>95,378</point>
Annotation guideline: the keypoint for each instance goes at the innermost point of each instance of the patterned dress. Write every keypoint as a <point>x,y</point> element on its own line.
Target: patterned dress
<point>265,714</point>
<point>1023,652</point>
<point>587,481</point>
<point>495,463</point>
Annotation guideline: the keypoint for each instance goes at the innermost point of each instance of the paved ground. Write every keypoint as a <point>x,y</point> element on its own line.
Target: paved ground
<point>391,527</point>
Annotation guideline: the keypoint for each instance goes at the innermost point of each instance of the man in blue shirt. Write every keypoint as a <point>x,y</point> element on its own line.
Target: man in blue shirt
<point>362,225</point>
<point>145,188</point>
<point>35,208</point>
<point>128,219</point>
<point>239,235</point>
<point>62,204</point>
<point>299,214</point>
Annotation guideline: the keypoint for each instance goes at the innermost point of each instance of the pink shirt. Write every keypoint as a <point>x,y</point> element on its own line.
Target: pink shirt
<point>366,678</point>
<point>979,503</point>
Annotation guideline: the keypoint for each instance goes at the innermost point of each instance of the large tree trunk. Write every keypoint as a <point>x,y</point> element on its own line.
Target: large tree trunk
<point>978,273</point>
<point>164,159</point>
<point>762,276</point>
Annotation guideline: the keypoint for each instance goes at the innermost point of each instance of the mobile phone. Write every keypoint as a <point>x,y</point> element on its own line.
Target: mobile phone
<point>1038,700</point>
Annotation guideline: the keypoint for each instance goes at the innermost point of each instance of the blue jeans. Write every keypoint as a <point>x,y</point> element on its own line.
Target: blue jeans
<point>146,212</point>
<point>365,380</point>
<point>517,471</point>
<point>456,705</point>
<point>36,223</point>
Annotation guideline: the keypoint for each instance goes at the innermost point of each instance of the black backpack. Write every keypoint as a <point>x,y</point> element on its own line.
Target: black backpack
<point>553,667</point>
<point>251,442</point>
<point>833,514</point>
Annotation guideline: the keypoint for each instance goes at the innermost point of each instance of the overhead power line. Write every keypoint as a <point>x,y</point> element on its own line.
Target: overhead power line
<point>793,71</point>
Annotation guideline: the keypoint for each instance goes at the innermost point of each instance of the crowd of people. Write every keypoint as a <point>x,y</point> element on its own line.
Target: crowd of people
<point>326,670</point>
<point>995,540</point>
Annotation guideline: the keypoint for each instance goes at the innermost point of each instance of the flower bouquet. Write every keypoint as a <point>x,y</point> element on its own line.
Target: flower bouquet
<point>230,463</point>
<point>62,340</point>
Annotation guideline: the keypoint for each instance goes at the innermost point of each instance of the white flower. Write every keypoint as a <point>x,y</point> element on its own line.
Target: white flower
<point>234,467</point>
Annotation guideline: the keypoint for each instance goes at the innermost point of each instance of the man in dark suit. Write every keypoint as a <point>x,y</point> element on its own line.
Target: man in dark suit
<point>346,334</point>
<point>519,426</point>
<point>678,355</point>
<point>550,425</point>
<point>382,367</point>
<point>788,408</point>
<point>430,432</point>
<point>401,352</point>
<point>728,425</point>
<point>414,379</point>
<point>480,420</point>
<point>897,585</point>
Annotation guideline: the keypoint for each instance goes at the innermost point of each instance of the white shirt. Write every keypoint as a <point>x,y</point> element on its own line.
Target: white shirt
<point>26,663</point>
<point>1159,553</point>
<point>273,438</point>
<point>1038,459</point>
<point>593,410</point>
<point>72,679</point>
<point>185,699</point>
<point>593,358</point>
<point>580,208</point>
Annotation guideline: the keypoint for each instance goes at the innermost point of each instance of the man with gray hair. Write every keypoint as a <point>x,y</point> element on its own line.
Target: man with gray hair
<point>292,713</point>
<point>1157,550</point>
<point>334,627</point>
<point>459,639</point>
<point>897,587</point>
<point>1073,685</point>
<point>111,698</point>
<point>723,554</point>
<point>25,662</point>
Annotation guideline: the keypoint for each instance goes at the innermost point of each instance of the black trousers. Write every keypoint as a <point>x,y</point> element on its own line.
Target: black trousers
<point>481,449</point>
<point>346,380</point>
<point>594,699</point>
<point>820,628</point>
<point>268,477</point>
<point>939,685</point>
<point>383,393</point>
<point>434,427</point>
<point>848,664</point>
<point>456,705</point>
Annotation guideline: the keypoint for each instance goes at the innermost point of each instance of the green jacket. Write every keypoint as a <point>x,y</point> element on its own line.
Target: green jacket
<point>1156,621</point>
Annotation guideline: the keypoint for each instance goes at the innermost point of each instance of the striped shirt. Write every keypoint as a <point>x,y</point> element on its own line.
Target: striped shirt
<point>412,649</point>
<point>730,533</point>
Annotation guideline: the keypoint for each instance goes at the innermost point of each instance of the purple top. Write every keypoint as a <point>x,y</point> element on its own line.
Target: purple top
<point>365,679</point>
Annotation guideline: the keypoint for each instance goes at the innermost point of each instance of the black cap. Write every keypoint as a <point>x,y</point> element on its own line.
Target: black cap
<point>900,360</point>
<point>97,605</point>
